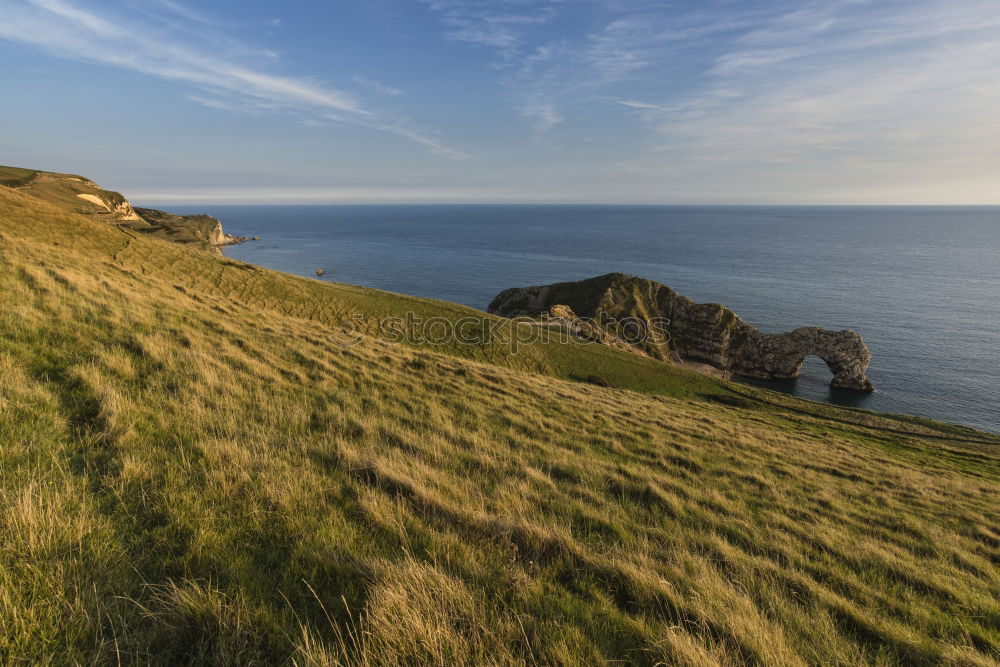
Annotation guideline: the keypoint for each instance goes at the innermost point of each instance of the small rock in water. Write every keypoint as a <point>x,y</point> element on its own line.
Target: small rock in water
<point>320,272</point>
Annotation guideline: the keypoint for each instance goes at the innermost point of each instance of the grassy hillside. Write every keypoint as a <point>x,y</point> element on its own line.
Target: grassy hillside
<point>13,177</point>
<point>67,191</point>
<point>195,467</point>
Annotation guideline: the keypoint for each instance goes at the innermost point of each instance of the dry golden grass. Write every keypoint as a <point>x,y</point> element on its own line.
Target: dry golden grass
<point>191,470</point>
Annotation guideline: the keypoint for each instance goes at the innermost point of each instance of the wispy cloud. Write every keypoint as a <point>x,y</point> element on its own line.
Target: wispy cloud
<point>543,113</point>
<point>70,30</point>
<point>636,104</point>
<point>557,69</point>
<point>638,100</point>
<point>401,129</point>
<point>378,86</point>
<point>862,100</point>
<point>514,30</point>
<point>501,24</point>
<point>186,12</point>
<point>843,94</point>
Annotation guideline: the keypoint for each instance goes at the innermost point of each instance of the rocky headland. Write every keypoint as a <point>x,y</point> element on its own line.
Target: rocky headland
<point>650,318</point>
<point>82,195</point>
<point>189,228</point>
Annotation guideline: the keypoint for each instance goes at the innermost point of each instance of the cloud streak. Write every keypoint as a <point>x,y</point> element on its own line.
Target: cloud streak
<point>838,102</point>
<point>378,86</point>
<point>68,30</point>
<point>501,24</point>
<point>827,100</point>
<point>558,71</point>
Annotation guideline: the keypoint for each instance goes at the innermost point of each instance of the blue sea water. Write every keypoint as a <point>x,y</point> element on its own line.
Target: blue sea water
<point>921,284</point>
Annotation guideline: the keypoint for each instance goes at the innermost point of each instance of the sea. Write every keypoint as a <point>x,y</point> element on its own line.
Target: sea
<point>920,284</point>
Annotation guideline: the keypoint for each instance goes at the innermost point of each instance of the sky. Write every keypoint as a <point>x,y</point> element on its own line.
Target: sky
<point>562,101</point>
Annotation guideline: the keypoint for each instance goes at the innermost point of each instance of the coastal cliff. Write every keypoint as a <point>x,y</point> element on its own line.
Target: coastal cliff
<point>189,228</point>
<point>78,194</point>
<point>72,192</point>
<point>653,319</point>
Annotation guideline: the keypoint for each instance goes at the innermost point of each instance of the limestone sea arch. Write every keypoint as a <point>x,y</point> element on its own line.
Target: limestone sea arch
<point>703,332</point>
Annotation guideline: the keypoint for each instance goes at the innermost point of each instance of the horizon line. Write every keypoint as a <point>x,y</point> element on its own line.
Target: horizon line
<point>366,202</point>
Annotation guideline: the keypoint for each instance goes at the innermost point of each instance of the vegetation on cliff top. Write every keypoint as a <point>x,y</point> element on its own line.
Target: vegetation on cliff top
<point>193,468</point>
<point>81,195</point>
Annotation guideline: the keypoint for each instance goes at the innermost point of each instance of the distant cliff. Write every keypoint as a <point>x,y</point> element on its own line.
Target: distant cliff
<point>71,192</point>
<point>656,320</point>
<point>81,195</point>
<point>187,228</point>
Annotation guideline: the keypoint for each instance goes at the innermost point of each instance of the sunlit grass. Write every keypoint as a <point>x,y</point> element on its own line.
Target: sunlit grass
<point>192,470</point>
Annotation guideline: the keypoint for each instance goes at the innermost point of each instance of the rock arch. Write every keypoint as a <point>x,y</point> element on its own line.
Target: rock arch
<point>703,332</point>
<point>780,356</point>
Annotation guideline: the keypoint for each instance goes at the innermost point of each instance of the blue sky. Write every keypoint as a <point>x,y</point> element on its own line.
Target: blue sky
<point>711,101</point>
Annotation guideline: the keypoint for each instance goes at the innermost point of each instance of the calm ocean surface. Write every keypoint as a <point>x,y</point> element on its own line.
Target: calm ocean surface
<point>921,284</point>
